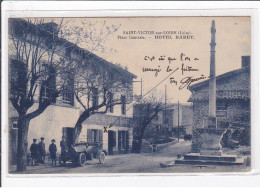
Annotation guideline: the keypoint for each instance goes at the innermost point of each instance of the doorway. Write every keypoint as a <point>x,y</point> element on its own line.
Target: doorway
<point>68,132</point>
<point>123,141</point>
<point>111,141</point>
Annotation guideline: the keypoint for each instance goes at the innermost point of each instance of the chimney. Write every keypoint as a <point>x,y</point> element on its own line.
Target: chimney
<point>245,61</point>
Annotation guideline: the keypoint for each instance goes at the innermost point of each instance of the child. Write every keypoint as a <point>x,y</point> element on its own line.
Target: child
<point>34,152</point>
<point>42,151</point>
<point>53,150</point>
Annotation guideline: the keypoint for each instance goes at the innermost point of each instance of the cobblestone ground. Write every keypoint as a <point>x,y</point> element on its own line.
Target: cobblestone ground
<point>134,163</point>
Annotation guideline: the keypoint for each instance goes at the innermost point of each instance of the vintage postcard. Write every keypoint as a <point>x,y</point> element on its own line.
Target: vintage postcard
<point>95,95</point>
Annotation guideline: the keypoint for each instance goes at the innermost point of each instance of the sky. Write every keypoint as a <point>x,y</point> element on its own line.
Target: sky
<point>232,39</point>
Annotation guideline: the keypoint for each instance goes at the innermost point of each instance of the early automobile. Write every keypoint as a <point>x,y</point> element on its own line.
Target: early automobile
<point>81,152</point>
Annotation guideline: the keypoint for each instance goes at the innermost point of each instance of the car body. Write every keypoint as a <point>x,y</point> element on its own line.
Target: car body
<point>81,152</point>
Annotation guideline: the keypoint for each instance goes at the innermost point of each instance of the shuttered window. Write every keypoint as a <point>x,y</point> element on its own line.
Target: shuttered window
<point>123,140</point>
<point>111,107</point>
<point>94,97</point>
<point>123,105</point>
<point>95,136</point>
<point>68,91</point>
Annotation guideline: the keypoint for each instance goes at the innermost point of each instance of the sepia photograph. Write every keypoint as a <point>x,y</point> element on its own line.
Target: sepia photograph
<point>98,95</point>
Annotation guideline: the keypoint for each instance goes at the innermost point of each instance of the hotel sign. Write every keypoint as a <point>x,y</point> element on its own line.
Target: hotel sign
<point>107,120</point>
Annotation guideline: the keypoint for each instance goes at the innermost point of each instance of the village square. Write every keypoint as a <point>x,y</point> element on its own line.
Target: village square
<point>72,111</point>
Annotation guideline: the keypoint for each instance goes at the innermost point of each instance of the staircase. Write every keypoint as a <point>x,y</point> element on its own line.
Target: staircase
<point>197,159</point>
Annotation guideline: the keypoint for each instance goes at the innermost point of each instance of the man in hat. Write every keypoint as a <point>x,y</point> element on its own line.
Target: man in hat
<point>42,151</point>
<point>34,152</point>
<point>53,151</point>
<point>64,149</point>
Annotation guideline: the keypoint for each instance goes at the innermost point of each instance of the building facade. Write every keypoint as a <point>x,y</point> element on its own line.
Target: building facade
<point>173,121</point>
<point>60,117</point>
<point>232,103</point>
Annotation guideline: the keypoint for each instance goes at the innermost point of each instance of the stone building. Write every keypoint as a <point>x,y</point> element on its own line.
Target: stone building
<point>232,100</point>
<point>60,118</point>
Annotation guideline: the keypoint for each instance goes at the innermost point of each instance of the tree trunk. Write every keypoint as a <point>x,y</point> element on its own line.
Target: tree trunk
<point>140,140</point>
<point>78,128</point>
<point>23,125</point>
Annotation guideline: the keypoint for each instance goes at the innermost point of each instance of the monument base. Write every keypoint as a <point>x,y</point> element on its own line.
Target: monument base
<point>204,160</point>
<point>211,150</point>
<point>210,138</point>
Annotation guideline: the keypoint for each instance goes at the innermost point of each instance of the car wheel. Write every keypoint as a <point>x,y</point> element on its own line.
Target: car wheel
<point>101,157</point>
<point>82,159</point>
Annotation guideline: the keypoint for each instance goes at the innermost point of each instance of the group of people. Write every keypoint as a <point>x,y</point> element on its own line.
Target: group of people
<point>38,151</point>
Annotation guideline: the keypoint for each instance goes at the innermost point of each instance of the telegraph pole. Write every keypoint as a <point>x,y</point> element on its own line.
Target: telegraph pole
<point>165,104</point>
<point>141,88</point>
<point>178,121</point>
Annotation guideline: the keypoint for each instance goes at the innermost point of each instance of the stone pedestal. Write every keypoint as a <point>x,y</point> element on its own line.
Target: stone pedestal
<point>211,150</point>
<point>210,139</point>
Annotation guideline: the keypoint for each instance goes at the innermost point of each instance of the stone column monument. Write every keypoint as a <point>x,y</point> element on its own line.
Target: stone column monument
<point>211,134</point>
<point>212,80</point>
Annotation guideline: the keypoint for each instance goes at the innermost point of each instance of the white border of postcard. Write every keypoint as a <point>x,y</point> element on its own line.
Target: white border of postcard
<point>125,9</point>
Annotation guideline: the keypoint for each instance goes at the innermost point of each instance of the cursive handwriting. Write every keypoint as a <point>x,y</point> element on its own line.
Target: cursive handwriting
<point>156,70</point>
<point>187,68</point>
<point>186,81</point>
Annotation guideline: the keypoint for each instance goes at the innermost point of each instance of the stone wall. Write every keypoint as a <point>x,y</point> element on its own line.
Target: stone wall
<point>236,110</point>
<point>196,141</point>
<point>200,113</point>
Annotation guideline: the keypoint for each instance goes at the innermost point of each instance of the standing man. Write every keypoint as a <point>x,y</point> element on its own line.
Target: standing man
<point>53,150</point>
<point>34,152</point>
<point>42,151</point>
<point>64,149</point>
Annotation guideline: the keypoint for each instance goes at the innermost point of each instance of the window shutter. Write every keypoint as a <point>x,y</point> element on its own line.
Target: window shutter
<point>89,135</point>
<point>72,90</point>
<point>52,82</point>
<point>119,140</point>
<point>72,98</point>
<point>97,135</point>
<point>114,138</point>
<point>127,140</point>
<point>101,138</point>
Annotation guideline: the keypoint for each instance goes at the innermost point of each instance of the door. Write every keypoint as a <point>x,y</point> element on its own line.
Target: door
<point>123,141</point>
<point>111,141</point>
<point>68,132</point>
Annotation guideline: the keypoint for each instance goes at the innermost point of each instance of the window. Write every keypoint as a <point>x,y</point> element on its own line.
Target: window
<point>45,91</point>
<point>111,106</point>
<point>18,74</point>
<point>94,136</point>
<point>66,96</point>
<point>123,105</point>
<point>68,91</point>
<point>15,125</point>
<point>122,139</point>
<point>49,85</point>
<point>94,97</point>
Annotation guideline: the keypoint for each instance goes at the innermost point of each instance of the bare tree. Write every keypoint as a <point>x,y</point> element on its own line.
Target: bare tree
<point>144,112</point>
<point>37,72</point>
<point>43,64</point>
<point>98,88</point>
